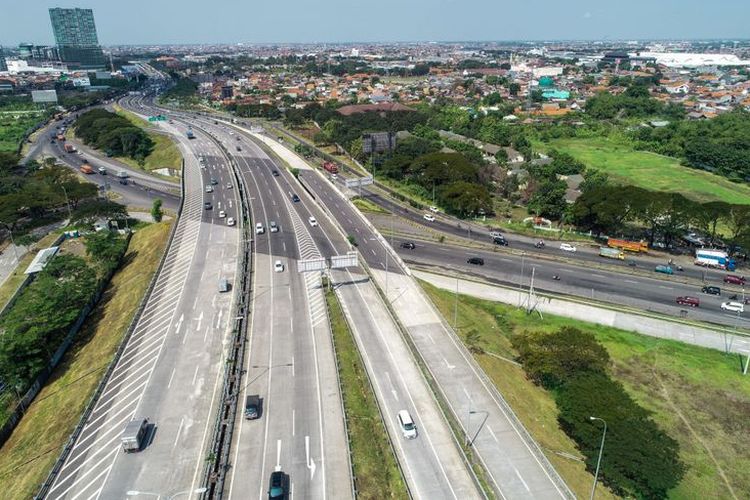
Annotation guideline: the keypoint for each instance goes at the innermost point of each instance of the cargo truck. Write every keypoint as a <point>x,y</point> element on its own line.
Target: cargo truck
<point>86,169</point>
<point>630,246</point>
<point>331,167</point>
<point>611,253</point>
<point>60,137</point>
<point>69,148</point>
<point>719,259</point>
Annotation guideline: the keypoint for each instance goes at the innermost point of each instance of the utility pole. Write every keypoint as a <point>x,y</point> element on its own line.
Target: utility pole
<point>455,309</point>
<point>599,460</point>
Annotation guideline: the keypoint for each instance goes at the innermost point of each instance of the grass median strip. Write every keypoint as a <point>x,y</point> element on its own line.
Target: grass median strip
<point>376,473</point>
<point>27,457</point>
<point>698,396</point>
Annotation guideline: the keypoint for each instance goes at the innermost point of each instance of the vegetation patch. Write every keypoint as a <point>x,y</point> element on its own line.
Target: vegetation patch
<point>697,396</point>
<point>376,473</point>
<point>367,206</point>
<point>27,457</point>
<point>164,154</point>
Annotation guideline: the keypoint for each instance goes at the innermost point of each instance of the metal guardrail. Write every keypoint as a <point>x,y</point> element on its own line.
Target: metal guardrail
<point>118,354</point>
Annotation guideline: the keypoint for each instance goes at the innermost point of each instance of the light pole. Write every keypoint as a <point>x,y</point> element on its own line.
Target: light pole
<point>599,460</point>
<point>455,309</point>
<point>15,250</point>
<point>67,202</point>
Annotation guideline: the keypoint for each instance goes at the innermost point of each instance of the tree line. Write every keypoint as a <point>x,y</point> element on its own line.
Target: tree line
<point>114,134</point>
<point>640,460</point>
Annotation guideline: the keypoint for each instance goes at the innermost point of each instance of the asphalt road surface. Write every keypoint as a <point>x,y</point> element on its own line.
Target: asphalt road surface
<point>171,368</point>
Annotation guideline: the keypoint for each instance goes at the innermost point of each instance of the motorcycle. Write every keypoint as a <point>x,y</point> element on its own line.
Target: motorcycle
<point>539,244</point>
<point>556,277</point>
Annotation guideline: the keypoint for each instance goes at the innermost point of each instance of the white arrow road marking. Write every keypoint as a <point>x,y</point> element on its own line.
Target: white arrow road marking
<point>310,461</point>
<point>450,366</point>
<point>393,390</point>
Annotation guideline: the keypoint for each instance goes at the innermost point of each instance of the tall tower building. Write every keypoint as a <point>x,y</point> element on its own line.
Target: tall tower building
<point>75,35</point>
<point>3,65</point>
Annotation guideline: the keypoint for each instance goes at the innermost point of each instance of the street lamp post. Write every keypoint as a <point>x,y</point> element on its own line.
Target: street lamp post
<point>599,460</point>
<point>67,202</point>
<point>13,243</point>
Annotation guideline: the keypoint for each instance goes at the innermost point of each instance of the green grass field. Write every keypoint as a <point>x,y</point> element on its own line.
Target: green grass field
<point>651,171</point>
<point>376,473</point>
<point>27,457</point>
<point>12,128</point>
<point>698,396</point>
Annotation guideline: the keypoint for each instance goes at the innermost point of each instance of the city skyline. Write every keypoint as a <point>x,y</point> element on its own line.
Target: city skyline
<point>338,22</point>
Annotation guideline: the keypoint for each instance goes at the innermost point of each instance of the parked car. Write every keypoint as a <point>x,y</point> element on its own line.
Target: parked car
<point>688,301</point>
<point>428,218</point>
<point>408,245</point>
<point>711,290</point>
<point>476,261</point>
<point>567,247</point>
<point>733,306</point>
<point>734,280</point>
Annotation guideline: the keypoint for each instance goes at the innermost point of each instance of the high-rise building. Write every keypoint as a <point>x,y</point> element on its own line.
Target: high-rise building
<point>75,35</point>
<point>3,65</point>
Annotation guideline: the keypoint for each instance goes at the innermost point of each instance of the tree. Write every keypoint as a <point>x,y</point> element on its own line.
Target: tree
<point>91,210</point>
<point>552,359</point>
<point>514,88</point>
<point>548,199</point>
<point>708,215</point>
<point>738,222</point>
<point>464,198</point>
<point>156,211</point>
<point>105,247</point>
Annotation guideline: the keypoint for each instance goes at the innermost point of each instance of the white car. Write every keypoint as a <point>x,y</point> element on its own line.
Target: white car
<point>312,221</point>
<point>278,266</point>
<point>733,306</point>
<point>222,214</point>
<point>259,229</point>
<point>209,189</point>
<point>434,209</point>
<point>230,221</point>
<point>273,227</point>
<point>496,234</point>
<point>408,427</point>
<point>429,218</point>
<point>567,247</point>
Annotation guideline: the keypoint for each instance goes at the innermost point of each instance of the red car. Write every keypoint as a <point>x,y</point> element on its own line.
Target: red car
<point>689,301</point>
<point>735,280</point>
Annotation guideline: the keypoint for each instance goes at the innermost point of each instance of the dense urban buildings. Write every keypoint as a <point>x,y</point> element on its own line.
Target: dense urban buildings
<point>75,35</point>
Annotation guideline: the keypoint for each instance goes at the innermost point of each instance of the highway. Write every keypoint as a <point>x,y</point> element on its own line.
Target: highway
<point>433,465</point>
<point>172,364</point>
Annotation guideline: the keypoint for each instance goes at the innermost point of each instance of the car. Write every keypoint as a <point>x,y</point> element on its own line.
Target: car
<point>275,173</point>
<point>273,227</point>
<point>259,229</point>
<point>312,221</point>
<point>238,137</point>
<point>408,245</point>
<point>711,290</point>
<point>734,280</point>
<point>434,209</point>
<point>429,218</point>
<point>567,247</point>
<point>229,185</point>
<point>239,148</point>
<point>295,198</point>
<point>123,182</point>
<point>207,205</point>
<point>209,189</point>
<point>222,214</point>
<point>102,170</point>
<point>476,261</point>
<point>230,221</point>
<point>496,234</point>
<point>499,240</point>
<point>277,486</point>
<point>214,181</point>
<point>737,307</point>
<point>688,301</point>
<point>278,266</point>
<point>407,425</point>
<point>664,269</point>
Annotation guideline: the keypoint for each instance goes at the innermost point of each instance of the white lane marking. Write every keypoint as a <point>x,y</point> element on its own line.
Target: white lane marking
<point>179,323</point>
<point>169,384</point>
<point>521,478</point>
<point>631,281</point>
<point>195,374</point>
<point>200,318</point>
<point>179,431</point>
<point>492,433</point>
<point>278,454</point>
<point>665,287</point>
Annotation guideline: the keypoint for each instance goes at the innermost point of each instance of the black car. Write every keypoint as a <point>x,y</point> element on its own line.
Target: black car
<point>275,173</point>
<point>711,290</point>
<point>124,182</point>
<point>208,205</point>
<point>277,488</point>
<point>477,261</point>
<point>499,240</point>
<point>295,198</point>
<point>408,244</point>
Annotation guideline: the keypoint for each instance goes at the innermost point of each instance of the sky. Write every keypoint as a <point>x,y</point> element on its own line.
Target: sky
<point>300,21</point>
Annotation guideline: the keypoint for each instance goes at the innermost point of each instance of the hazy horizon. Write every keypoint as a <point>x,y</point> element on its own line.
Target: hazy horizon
<point>187,22</point>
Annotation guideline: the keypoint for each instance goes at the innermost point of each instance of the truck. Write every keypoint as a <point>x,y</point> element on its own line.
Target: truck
<point>252,407</point>
<point>630,246</point>
<point>190,134</point>
<point>611,253</point>
<point>60,137</point>
<point>331,167</point>
<point>86,169</point>
<point>122,174</point>
<point>69,148</point>
<point>133,435</point>
<point>712,257</point>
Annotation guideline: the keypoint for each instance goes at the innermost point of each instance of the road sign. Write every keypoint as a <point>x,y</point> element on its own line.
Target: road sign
<point>157,118</point>
<point>349,260</point>
<point>359,182</point>
<point>311,265</point>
